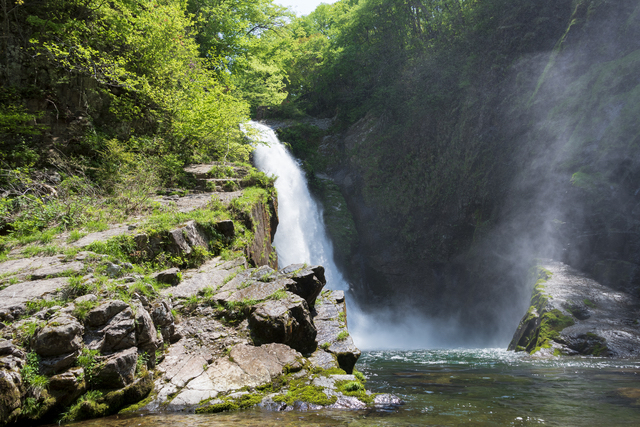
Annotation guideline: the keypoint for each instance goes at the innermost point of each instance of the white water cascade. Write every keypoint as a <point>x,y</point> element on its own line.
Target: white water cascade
<point>301,237</point>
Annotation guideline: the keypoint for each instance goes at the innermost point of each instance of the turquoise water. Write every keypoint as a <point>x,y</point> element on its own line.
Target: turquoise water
<point>486,387</point>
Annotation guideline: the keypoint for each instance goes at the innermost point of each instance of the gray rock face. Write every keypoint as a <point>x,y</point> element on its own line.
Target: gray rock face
<point>118,369</point>
<point>330,320</point>
<point>588,318</point>
<point>163,318</point>
<point>101,236</point>
<point>20,293</point>
<point>286,321</point>
<point>61,335</point>
<point>101,314</point>
<point>179,242</point>
<point>39,267</point>
<point>119,333</point>
<point>147,339</point>
<point>211,274</point>
<point>54,365</point>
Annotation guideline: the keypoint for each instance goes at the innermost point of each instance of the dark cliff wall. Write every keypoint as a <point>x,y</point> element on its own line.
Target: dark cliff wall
<point>536,156</point>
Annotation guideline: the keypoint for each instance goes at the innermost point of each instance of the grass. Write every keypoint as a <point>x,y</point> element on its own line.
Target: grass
<point>343,335</point>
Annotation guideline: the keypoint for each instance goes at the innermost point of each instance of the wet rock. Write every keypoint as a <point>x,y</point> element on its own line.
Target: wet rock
<point>61,335</point>
<point>118,370</point>
<point>169,277</point>
<point>571,313</point>
<point>387,401</point>
<point>285,321</point>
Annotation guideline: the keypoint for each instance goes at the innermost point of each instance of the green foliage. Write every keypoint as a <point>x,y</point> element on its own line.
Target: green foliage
<point>141,364</point>
<point>278,295</point>
<point>88,361</point>
<point>342,336</point>
<point>30,374</point>
<point>26,330</point>
<point>360,376</point>
<point>81,309</point>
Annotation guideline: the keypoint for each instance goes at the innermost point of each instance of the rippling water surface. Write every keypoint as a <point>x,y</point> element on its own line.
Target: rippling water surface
<point>460,387</point>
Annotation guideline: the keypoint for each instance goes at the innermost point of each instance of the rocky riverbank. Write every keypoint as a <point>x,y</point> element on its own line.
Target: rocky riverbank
<point>572,314</point>
<point>144,315</point>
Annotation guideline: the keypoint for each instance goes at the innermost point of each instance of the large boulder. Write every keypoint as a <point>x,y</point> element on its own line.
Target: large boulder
<point>307,281</point>
<point>61,335</point>
<point>572,314</point>
<point>285,321</point>
<point>111,332</point>
<point>101,314</point>
<point>118,370</point>
<point>147,339</point>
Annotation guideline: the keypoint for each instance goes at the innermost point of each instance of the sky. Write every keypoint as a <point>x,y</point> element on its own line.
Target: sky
<point>302,7</point>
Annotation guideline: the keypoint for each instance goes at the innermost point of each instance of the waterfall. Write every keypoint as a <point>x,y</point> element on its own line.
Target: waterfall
<point>301,237</point>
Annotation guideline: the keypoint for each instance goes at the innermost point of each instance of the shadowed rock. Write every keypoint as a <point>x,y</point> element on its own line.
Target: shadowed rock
<point>285,321</point>
<point>118,369</point>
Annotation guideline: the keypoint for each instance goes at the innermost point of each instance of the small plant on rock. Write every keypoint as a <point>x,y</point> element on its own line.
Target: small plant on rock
<point>35,382</point>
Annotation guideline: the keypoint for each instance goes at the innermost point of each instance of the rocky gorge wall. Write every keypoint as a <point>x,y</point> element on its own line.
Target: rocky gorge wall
<point>537,157</point>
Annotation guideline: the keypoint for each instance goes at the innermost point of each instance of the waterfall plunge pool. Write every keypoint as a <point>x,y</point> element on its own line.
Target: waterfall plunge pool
<point>481,387</point>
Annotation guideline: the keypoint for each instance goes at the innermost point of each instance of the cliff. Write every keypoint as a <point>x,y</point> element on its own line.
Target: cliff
<point>479,162</point>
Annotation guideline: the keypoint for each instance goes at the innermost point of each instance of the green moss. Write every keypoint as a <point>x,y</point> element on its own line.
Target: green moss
<point>307,393</point>
<point>328,372</point>
<point>552,323</point>
<point>139,405</point>
<point>218,407</point>
<point>589,303</point>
